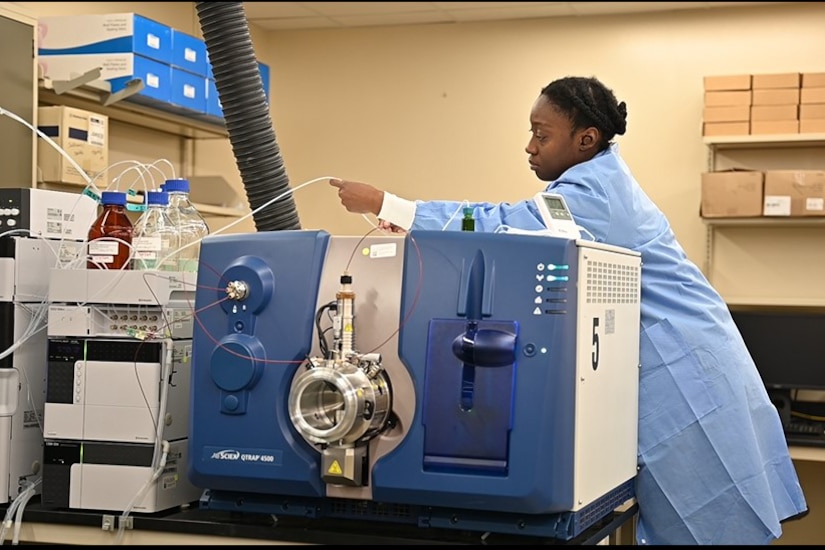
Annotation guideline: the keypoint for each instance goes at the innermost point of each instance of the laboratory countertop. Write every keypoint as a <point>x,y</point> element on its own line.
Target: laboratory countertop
<point>197,522</point>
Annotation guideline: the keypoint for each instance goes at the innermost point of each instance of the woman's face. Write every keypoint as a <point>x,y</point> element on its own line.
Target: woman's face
<point>554,146</point>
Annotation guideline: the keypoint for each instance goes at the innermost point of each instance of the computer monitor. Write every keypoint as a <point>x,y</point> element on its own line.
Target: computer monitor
<point>787,345</point>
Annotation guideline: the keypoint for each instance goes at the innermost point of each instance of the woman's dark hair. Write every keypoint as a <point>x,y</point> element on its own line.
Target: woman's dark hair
<point>588,102</point>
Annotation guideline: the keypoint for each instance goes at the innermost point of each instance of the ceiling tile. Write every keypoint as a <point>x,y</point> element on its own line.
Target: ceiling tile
<point>512,12</point>
<point>334,9</point>
<point>308,15</point>
<point>294,23</point>
<point>393,19</point>
<point>266,10</point>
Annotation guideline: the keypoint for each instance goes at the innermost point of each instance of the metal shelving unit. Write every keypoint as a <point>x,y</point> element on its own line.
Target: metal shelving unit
<point>90,93</point>
<point>712,225</point>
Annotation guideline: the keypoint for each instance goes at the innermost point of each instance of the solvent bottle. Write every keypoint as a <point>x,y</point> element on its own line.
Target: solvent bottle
<point>155,240</point>
<point>190,224</point>
<point>110,236</point>
<point>468,223</point>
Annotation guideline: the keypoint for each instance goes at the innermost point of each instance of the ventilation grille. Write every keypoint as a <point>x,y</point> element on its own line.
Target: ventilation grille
<point>611,283</point>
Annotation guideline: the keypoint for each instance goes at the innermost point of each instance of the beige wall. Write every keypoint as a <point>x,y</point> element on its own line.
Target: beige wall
<point>126,143</point>
<point>441,111</point>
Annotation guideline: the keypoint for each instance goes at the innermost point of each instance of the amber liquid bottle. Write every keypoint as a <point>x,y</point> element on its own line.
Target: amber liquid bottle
<point>110,236</point>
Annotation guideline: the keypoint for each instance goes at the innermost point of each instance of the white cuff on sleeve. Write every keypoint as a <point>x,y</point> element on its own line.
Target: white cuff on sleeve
<point>398,211</point>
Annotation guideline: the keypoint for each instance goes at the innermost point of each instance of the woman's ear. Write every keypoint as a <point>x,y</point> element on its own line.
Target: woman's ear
<point>588,139</point>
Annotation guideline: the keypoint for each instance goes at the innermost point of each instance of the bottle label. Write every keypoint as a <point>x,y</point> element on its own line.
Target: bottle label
<point>145,255</point>
<point>102,259</point>
<point>102,247</point>
<point>142,244</point>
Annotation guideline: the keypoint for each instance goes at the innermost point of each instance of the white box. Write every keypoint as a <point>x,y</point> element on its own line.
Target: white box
<point>83,135</point>
<point>106,33</point>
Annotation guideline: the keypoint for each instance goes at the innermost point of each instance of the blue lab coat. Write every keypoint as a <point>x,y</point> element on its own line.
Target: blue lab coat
<point>714,467</point>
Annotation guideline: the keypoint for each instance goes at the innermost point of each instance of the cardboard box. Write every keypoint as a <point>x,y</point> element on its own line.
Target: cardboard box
<point>733,113</point>
<point>812,126</point>
<point>813,80</point>
<point>732,194</point>
<point>794,193</point>
<point>812,111</point>
<point>776,96</point>
<point>774,112</point>
<point>727,99</point>
<point>812,95</point>
<point>107,33</point>
<point>727,82</point>
<point>83,135</point>
<point>776,80</point>
<point>762,127</point>
<point>726,128</point>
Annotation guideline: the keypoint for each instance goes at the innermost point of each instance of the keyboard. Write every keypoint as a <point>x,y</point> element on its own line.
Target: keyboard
<point>805,433</point>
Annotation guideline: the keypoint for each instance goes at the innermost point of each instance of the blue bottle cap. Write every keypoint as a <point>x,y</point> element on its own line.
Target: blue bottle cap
<point>157,197</point>
<point>176,185</point>
<point>113,197</point>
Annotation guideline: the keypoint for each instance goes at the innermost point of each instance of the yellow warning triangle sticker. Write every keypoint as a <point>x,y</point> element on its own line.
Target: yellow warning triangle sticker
<point>335,468</point>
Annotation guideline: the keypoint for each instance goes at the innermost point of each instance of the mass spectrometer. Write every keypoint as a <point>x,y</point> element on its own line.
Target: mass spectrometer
<point>473,381</point>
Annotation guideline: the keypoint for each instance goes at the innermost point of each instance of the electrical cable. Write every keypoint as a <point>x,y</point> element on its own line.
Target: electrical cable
<point>123,518</point>
<point>161,448</point>
<point>21,500</point>
<point>18,519</point>
<point>461,207</point>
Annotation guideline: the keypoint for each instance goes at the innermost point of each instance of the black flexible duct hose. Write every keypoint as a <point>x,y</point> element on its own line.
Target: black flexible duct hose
<point>246,112</point>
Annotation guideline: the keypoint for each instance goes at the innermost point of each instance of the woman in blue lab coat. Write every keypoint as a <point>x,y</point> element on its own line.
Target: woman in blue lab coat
<point>714,467</point>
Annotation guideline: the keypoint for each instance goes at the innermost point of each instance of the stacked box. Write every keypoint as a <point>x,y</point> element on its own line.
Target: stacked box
<point>732,194</point>
<point>170,66</point>
<point>82,135</point>
<point>812,103</point>
<point>126,46</point>
<point>794,193</point>
<point>119,69</point>
<point>727,105</point>
<point>189,70</point>
<point>775,107</point>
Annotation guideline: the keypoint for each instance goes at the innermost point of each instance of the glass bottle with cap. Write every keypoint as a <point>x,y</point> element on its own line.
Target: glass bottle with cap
<point>468,223</point>
<point>190,224</point>
<point>155,240</point>
<point>109,239</point>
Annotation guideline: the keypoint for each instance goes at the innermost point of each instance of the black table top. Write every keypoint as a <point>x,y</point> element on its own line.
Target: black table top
<point>199,521</point>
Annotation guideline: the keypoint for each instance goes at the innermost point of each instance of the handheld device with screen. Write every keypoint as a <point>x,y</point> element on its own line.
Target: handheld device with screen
<point>556,215</point>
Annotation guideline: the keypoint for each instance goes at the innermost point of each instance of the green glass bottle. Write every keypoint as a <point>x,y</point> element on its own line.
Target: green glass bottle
<point>467,222</point>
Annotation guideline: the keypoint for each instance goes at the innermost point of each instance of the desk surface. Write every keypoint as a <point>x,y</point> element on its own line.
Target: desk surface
<point>194,525</point>
<point>815,454</point>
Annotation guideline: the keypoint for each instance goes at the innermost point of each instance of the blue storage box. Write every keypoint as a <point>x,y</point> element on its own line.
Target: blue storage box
<point>109,33</point>
<point>188,94</point>
<point>189,53</point>
<point>118,69</point>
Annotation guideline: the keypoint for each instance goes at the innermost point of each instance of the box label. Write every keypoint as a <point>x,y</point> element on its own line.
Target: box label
<point>777,205</point>
<point>97,132</point>
<point>815,204</point>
